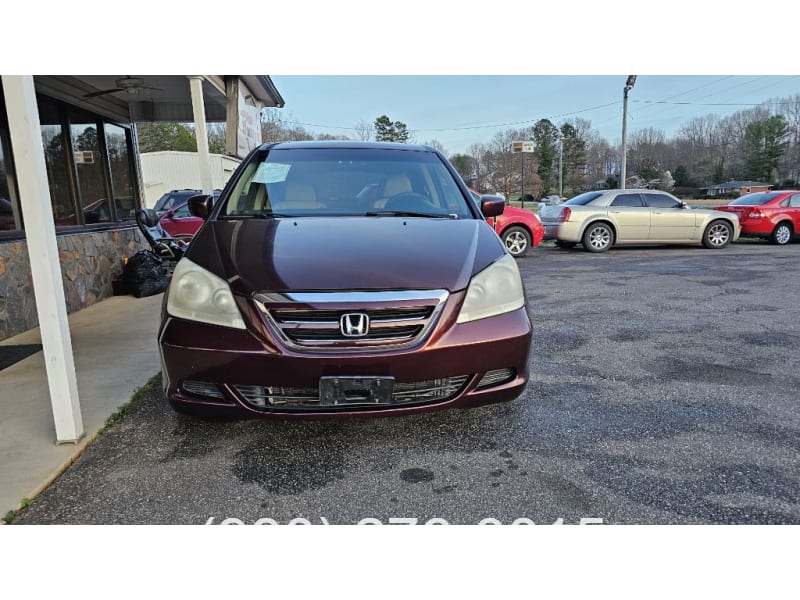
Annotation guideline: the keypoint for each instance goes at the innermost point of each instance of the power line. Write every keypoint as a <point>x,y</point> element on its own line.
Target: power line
<point>715,103</point>
<point>468,127</point>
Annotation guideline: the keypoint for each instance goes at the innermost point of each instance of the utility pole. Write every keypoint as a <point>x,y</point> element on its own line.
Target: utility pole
<point>522,174</point>
<point>560,164</point>
<point>522,148</point>
<point>628,87</point>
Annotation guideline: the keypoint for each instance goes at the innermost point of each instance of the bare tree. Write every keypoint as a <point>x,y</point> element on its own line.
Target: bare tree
<point>478,153</point>
<point>278,127</point>
<point>436,145</point>
<point>364,130</point>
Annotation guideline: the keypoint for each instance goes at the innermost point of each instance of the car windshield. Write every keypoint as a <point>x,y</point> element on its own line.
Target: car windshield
<point>756,199</point>
<point>371,182</point>
<point>172,199</point>
<point>583,199</point>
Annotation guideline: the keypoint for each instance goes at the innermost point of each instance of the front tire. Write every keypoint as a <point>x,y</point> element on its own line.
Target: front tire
<point>717,235</point>
<point>782,234</point>
<point>517,241</point>
<point>598,237</point>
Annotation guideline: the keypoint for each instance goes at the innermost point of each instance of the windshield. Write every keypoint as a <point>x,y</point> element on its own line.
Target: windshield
<point>583,199</point>
<point>756,199</point>
<point>300,182</point>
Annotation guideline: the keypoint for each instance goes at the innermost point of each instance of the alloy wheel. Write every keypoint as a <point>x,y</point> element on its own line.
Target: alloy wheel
<point>516,242</point>
<point>719,235</point>
<point>600,237</point>
<point>783,234</point>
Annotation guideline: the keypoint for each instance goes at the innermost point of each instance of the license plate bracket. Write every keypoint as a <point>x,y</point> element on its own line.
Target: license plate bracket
<point>354,390</point>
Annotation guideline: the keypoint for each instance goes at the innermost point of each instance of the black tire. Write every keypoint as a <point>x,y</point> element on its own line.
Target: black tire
<point>598,237</point>
<point>717,235</point>
<point>782,234</point>
<point>517,241</point>
<point>566,245</point>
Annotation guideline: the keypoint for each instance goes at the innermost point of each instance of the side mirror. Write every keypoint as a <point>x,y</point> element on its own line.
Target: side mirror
<point>492,206</point>
<point>682,204</point>
<point>200,206</point>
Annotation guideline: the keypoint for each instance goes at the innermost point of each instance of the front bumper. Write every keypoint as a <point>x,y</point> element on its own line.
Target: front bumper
<point>231,359</point>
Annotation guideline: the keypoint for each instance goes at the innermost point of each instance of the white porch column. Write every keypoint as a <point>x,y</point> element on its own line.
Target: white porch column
<point>199,110</point>
<point>40,232</point>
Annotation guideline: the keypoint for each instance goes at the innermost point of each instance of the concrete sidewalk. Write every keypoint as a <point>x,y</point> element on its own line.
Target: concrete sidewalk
<point>114,343</point>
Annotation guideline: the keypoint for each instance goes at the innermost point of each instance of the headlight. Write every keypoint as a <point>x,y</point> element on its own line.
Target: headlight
<point>199,295</point>
<point>494,291</point>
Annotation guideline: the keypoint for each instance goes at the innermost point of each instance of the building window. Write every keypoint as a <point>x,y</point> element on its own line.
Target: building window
<point>119,159</point>
<point>9,213</point>
<point>97,167</point>
<point>90,177</point>
<point>55,158</point>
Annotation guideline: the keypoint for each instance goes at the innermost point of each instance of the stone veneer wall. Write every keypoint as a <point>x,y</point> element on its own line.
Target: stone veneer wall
<point>89,262</point>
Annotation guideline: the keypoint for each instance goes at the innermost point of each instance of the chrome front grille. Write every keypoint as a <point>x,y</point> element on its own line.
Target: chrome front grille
<point>316,320</point>
<point>432,390</point>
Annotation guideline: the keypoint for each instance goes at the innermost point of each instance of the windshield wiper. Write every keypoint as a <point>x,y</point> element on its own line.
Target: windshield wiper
<point>257,215</point>
<point>409,213</point>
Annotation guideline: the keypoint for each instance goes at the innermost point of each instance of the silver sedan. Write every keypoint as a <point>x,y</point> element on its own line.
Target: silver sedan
<point>601,219</point>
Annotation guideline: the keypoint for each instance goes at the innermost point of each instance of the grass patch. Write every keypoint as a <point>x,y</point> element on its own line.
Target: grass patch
<point>120,413</point>
<point>12,514</point>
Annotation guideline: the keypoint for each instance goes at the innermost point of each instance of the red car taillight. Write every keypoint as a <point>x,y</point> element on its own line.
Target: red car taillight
<point>564,214</point>
<point>755,214</point>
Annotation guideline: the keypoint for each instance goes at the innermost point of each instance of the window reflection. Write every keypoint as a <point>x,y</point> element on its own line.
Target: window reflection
<point>89,168</point>
<point>53,140</point>
<point>121,180</point>
<point>6,210</point>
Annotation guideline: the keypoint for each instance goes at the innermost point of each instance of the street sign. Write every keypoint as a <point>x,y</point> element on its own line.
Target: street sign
<point>522,147</point>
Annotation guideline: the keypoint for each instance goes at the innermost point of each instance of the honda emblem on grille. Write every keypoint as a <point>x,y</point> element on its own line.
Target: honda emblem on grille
<point>354,324</point>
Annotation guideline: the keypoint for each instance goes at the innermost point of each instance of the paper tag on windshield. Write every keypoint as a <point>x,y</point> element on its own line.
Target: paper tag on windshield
<point>271,173</point>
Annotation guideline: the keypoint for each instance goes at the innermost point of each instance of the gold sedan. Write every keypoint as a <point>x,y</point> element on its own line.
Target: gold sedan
<point>601,219</point>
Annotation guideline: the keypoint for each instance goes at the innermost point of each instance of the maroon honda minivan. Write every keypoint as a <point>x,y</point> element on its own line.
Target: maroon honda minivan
<point>344,278</point>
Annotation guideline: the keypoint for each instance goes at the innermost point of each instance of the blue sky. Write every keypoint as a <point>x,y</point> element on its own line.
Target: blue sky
<point>427,103</point>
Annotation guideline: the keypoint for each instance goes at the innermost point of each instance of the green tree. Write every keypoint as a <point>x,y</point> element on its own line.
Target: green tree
<point>649,172</point>
<point>719,171</point>
<point>765,144</point>
<point>681,176</point>
<point>465,165</point>
<point>216,138</point>
<point>388,131</point>
<point>545,135</point>
<point>573,157</point>
<point>154,137</point>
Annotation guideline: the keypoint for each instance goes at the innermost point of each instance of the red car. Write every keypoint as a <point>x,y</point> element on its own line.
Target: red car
<point>773,215</point>
<point>519,229</point>
<point>179,221</point>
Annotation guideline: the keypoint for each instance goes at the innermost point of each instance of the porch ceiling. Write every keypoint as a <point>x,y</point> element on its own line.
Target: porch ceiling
<point>150,97</point>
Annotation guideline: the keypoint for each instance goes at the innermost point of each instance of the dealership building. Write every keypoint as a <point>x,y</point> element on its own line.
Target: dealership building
<point>71,183</point>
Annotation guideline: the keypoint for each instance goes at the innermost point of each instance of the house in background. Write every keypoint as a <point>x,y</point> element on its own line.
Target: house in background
<point>736,187</point>
<point>170,170</point>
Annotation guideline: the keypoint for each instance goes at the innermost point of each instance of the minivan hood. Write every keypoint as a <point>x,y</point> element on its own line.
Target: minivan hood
<point>345,253</point>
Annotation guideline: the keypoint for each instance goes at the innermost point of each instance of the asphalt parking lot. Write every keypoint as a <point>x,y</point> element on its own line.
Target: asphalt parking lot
<point>664,390</point>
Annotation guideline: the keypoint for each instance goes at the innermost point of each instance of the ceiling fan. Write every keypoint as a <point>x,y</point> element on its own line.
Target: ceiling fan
<point>131,85</point>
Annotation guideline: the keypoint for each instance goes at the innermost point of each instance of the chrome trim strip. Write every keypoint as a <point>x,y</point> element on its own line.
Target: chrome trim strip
<point>337,298</point>
<point>348,297</point>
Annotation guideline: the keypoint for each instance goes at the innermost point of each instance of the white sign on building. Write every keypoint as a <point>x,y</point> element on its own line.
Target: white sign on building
<point>249,130</point>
